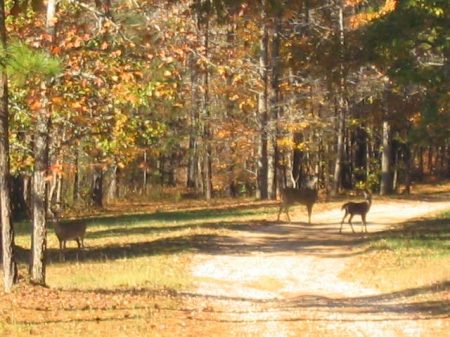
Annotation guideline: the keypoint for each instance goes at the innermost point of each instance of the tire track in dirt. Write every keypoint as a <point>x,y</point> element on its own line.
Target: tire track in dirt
<point>285,281</point>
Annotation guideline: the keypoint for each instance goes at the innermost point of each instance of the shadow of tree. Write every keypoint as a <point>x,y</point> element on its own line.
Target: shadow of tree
<point>240,237</point>
<point>261,237</point>
<point>394,306</point>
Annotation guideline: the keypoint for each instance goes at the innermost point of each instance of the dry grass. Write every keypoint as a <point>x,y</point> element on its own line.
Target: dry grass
<point>414,256</point>
<point>133,278</point>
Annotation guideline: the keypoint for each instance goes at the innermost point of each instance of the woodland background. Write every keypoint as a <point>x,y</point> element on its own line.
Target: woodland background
<point>132,100</point>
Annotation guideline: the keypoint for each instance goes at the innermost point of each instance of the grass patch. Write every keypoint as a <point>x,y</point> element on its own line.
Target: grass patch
<point>152,250</point>
<point>417,255</point>
<point>156,272</point>
<point>424,238</point>
<point>128,279</point>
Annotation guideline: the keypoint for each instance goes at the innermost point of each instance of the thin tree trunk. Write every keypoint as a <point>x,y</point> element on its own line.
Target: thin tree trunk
<point>144,174</point>
<point>7,237</point>
<point>111,193</point>
<point>41,144</point>
<point>274,108</point>
<point>342,107</point>
<point>77,180</point>
<point>97,187</point>
<point>229,106</point>
<point>59,188</point>
<point>207,134</point>
<point>430,160</point>
<point>39,199</point>
<point>262,153</point>
<point>447,159</point>
<point>409,161</point>
<point>386,186</point>
<point>395,172</point>
<point>421,164</point>
<point>193,169</point>
<point>297,160</point>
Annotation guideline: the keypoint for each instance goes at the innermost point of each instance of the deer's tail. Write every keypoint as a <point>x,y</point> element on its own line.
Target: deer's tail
<point>344,206</point>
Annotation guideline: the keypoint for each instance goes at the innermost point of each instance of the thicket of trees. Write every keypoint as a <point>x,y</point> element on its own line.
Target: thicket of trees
<point>109,99</point>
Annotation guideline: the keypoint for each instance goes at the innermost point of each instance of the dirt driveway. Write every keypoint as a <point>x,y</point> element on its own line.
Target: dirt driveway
<point>278,279</point>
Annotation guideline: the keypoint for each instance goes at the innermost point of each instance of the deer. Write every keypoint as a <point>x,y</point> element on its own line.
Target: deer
<point>65,231</point>
<point>357,208</point>
<point>304,196</point>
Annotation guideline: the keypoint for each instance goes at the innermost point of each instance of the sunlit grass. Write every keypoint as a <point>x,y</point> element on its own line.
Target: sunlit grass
<point>152,250</point>
<point>156,272</point>
<point>429,238</point>
<point>414,256</point>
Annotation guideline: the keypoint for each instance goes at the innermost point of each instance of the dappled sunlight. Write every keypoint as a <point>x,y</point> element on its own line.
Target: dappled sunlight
<point>236,270</point>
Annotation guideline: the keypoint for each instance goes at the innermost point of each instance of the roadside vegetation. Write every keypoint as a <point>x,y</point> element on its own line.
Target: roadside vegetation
<point>413,256</point>
<point>148,249</point>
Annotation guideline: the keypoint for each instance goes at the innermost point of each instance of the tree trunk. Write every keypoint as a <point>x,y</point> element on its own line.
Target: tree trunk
<point>7,237</point>
<point>97,187</point>
<point>41,144</point>
<point>430,160</point>
<point>342,106</point>
<point>19,207</point>
<point>206,113</point>
<point>230,106</point>
<point>297,160</point>
<point>447,160</point>
<point>274,108</point>
<point>421,163</point>
<point>77,180</point>
<point>409,160</point>
<point>262,153</point>
<point>193,171</point>
<point>144,174</point>
<point>39,194</point>
<point>386,186</point>
<point>111,193</point>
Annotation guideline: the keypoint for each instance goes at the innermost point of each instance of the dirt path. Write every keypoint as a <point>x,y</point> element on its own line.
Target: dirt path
<point>279,279</point>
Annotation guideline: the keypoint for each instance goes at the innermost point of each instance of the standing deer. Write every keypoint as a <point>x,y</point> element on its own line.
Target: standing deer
<point>360,208</point>
<point>71,230</point>
<point>304,196</point>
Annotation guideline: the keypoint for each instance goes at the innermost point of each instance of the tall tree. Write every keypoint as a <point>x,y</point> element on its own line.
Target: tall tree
<point>274,103</point>
<point>341,100</point>
<point>41,143</point>
<point>204,26</point>
<point>7,239</point>
<point>262,143</point>
<point>387,181</point>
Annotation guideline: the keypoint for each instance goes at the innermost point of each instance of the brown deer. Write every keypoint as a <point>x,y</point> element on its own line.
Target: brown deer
<point>70,230</point>
<point>357,208</point>
<point>304,196</point>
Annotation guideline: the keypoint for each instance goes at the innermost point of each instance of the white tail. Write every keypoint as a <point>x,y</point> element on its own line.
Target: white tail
<point>290,196</point>
<point>357,208</point>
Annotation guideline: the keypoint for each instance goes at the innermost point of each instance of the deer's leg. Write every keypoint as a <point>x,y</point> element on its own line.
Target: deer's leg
<point>309,207</point>
<point>350,222</point>
<point>363,217</point>
<point>287,213</point>
<point>342,222</point>
<point>61,250</point>
<point>78,242</point>
<point>279,212</point>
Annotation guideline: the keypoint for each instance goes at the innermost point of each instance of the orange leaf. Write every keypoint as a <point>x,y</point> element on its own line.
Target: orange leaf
<point>35,105</point>
<point>58,100</point>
